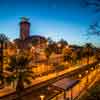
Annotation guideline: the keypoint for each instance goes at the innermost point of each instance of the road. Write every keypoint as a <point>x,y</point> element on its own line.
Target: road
<point>76,90</point>
<point>39,80</point>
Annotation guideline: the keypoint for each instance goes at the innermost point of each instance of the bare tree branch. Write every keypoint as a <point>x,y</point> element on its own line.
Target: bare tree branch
<point>93,29</point>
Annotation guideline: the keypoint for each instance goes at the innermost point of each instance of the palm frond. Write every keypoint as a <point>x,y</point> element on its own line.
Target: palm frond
<point>10,79</point>
<point>27,81</point>
<point>21,71</point>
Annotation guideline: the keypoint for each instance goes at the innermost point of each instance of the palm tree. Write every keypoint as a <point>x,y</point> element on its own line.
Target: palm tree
<point>88,51</point>
<point>63,43</point>
<point>48,52</point>
<point>50,41</point>
<point>68,57</point>
<point>21,72</point>
<point>3,41</point>
<point>34,42</point>
<point>79,55</point>
<point>51,47</point>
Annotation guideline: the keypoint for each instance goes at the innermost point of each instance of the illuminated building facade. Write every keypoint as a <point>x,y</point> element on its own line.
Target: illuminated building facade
<point>25,40</point>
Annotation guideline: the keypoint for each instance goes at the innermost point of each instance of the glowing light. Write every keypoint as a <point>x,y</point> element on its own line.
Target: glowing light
<point>42,97</point>
<point>92,68</point>
<point>79,75</point>
<point>59,45</point>
<point>47,43</point>
<point>67,47</point>
<point>86,71</point>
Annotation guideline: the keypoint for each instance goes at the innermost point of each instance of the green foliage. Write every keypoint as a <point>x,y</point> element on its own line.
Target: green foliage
<point>34,42</point>
<point>20,72</point>
<point>10,79</point>
<point>89,49</point>
<point>48,52</point>
<point>3,42</point>
<point>93,93</point>
<point>63,43</point>
<point>94,28</point>
<point>3,38</point>
<point>68,58</point>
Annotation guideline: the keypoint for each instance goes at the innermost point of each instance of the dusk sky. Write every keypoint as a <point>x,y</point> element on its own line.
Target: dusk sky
<point>57,19</point>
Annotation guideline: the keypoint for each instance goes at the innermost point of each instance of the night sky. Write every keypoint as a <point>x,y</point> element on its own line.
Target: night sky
<point>57,19</point>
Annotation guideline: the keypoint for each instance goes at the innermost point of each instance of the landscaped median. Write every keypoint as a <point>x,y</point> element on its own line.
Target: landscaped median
<point>93,93</point>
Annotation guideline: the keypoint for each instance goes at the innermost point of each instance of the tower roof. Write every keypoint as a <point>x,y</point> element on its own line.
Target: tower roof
<point>24,19</point>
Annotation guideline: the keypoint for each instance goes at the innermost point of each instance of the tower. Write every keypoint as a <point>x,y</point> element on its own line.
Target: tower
<point>24,28</point>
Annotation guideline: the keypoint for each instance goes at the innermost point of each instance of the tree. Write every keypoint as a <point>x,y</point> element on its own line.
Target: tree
<point>79,55</point>
<point>95,4</point>
<point>68,57</point>
<point>34,42</point>
<point>61,45</point>
<point>21,72</point>
<point>88,51</point>
<point>48,51</point>
<point>94,29</point>
<point>50,41</point>
<point>51,47</point>
<point>3,42</point>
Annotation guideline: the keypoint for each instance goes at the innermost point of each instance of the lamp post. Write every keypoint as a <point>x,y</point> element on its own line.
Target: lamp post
<point>47,43</point>
<point>79,76</point>
<point>86,72</point>
<point>92,73</point>
<point>71,93</point>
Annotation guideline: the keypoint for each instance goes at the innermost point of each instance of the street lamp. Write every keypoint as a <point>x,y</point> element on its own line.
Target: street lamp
<point>92,73</point>
<point>92,68</point>
<point>47,43</point>
<point>79,76</point>
<point>59,45</point>
<point>42,97</point>
<point>67,47</point>
<point>86,72</point>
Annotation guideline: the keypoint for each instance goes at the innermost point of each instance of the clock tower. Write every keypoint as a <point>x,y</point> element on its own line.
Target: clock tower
<point>24,28</point>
